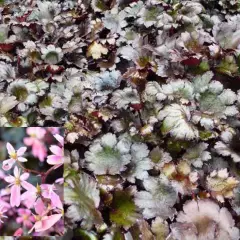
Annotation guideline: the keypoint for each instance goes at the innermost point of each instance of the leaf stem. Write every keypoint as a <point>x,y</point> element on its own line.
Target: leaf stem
<point>42,174</point>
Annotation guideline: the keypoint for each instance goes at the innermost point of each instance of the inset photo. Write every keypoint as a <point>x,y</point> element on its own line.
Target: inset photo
<point>31,181</point>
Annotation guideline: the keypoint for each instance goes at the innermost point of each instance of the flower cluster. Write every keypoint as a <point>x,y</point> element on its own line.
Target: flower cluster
<point>149,95</point>
<point>27,193</point>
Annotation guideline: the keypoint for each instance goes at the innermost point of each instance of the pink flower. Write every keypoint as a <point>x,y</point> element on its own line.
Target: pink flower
<point>36,132</point>
<point>18,232</point>
<point>44,222</point>
<point>14,156</point>
<point>31,194</point>
<point>48,192</point>
<point>58,157</point>
<point>35,140</point>
<point>44,190</point>
<point>25,217</point>
<point>16,182</point>
<point>2,211</point>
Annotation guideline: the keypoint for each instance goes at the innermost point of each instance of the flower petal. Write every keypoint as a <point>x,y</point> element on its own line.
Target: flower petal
<point>28,141</point>
<point>21,151</point>
<point>53,160</point>
<point>24,176</point>
<point>10,148</point>
<point>15,196</point>
<point>28,186</point>
<point>49,222</point>
<point>16,172</point>
<point>39,207</point>
<point>59,138</point>
<point>9,179</point>
<point>7,164</point>
<point>29,197</point>
<point>56,150</point>
<point>19,220</point>
<point>22,159</point>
